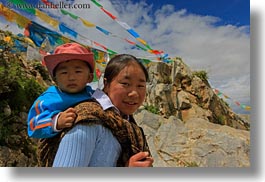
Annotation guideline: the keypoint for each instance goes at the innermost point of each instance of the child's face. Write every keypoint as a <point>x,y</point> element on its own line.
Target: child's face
<point>127,90</point>
<point>72,76</point>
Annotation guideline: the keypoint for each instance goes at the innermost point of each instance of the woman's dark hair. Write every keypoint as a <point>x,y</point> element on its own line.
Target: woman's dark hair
<point>117,63</point>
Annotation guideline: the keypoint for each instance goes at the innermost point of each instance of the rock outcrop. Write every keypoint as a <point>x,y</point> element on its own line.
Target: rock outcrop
<point>177,91</point>
<point>194,143</point>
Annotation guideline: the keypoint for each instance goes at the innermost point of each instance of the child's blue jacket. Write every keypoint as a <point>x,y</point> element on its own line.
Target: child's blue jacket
<point>47,105</point>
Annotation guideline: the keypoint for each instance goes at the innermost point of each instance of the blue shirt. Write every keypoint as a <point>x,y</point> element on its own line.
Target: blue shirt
<point>89,145</point>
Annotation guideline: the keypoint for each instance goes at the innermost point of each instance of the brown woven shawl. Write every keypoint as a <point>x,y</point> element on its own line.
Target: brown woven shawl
<point>129,134</point>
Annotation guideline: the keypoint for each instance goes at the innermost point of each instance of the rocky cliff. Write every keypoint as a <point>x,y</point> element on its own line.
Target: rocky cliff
<point>186,124</point>
<point>192,125</point>
<point>175,90</point>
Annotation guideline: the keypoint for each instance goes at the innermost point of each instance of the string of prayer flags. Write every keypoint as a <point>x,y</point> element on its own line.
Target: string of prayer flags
<point>106,32</point>
<point>65,29</point>
<point>56,24</point>
<point>243,106</point>
<point>129,29</point>
<point>38,33</point>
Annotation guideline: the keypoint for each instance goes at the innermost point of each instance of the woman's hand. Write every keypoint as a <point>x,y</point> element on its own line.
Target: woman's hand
<point>66,119</point>
<point>141,159</point>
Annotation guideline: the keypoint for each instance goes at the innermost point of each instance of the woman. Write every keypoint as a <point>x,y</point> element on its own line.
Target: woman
<point>106,133</point>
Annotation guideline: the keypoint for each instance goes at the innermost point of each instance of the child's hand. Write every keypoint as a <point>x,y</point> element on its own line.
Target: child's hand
<point>66,119</point>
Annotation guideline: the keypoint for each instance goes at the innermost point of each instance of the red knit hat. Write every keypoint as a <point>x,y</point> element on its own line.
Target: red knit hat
<point>68,51</point>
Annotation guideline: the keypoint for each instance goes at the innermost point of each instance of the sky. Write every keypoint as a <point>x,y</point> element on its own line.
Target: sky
<point>209,35</point>
<point>234,12</point>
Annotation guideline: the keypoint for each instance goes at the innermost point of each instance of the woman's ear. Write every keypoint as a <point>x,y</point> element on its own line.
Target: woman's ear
<point>106,84</point>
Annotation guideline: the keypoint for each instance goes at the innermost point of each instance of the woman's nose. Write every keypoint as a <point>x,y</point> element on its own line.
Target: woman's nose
<point>133,93</point>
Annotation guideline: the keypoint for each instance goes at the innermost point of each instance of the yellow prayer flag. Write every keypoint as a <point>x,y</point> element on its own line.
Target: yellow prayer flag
<point>28,40</point>
<point>44,17</point>
<point>21,20</point>
<point>8,14</point>
<point>141,40</point>
<point>248,108</point>
<point>87,23</point>
<point>65,39</point>
<point>226,96</point>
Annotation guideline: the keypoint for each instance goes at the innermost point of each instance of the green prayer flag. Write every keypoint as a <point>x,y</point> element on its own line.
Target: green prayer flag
<point>96,3</point>
<point>70,14</point>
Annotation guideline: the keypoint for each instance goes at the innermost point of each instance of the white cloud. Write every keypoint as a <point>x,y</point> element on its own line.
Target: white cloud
<point>223,51</point>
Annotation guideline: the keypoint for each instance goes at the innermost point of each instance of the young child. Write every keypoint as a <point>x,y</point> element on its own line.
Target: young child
<point>71,67</point>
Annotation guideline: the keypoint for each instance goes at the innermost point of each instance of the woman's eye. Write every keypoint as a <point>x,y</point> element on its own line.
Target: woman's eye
<point>124,83</point>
